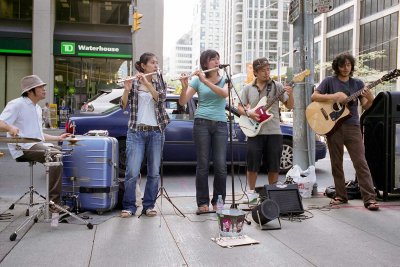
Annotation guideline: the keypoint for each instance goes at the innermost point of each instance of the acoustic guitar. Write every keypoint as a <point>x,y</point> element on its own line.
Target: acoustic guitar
<point>325,117</point>
<point>251,127</point>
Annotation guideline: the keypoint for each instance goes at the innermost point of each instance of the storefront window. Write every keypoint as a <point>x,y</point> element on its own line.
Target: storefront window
<point>78,79</point>
<point>16,9</point>
<point>93,11</point>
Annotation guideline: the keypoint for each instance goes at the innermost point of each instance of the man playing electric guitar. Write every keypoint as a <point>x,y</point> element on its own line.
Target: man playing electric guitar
<point>267,144</point>
<point>337,88</point>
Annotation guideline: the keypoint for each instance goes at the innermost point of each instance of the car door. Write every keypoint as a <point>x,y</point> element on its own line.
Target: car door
<point>179,146</point>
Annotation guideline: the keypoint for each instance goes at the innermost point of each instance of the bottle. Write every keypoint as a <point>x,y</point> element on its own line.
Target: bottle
<point>54,220</point>
<point>220,204</point>
<point>315,190</point>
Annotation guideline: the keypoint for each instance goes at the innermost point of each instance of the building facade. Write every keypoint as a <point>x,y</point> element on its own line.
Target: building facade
<point>76,47</point>
<point>180,59</point>
<point>207,29</point>
<point>253,29</point>
<point>358,27</point>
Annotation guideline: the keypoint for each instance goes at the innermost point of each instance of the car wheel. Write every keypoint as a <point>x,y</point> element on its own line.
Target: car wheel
<point>287,156</point>
<point>122,157</point>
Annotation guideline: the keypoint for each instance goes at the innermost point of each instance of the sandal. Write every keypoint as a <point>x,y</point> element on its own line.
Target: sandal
<point>125,214</point>
<point>203,208</point>
<point>372,205</point>
<point>151,212</point>
<point>337,201</point>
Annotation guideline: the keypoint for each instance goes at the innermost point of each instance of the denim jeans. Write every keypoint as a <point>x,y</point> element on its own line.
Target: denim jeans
<point>137,144</point>
<point>210,136</point>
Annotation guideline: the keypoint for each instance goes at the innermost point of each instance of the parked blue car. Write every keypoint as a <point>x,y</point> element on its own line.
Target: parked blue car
<point>179,148</point>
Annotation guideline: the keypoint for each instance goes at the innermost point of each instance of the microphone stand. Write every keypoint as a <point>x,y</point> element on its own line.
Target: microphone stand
<point>162,192</point>
<point>230,86</point>
<point>229,82</point>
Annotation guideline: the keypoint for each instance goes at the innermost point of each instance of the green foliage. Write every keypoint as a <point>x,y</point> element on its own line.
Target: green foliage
<point>362,70</point>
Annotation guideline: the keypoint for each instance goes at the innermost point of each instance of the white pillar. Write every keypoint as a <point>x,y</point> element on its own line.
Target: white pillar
<point>42,44</point>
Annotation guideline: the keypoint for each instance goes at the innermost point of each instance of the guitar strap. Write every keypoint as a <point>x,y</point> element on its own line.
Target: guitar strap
<point>269,88</point>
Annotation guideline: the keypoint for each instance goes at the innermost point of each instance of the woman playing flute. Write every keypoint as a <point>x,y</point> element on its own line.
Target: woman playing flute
<point>210,131</point>
<point>145,97</point>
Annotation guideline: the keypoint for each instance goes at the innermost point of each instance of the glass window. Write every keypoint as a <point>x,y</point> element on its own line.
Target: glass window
<point>93,11</point>
<point>381,35</point>
<point>317,29</point>
<point>16,9</point>
<point>78,79</point>
<point>339,43</point>
<point>370,7</point>
<point>340,19</point>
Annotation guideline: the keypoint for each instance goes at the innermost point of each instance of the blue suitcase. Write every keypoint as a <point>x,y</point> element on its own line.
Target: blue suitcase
<point>90,176</point>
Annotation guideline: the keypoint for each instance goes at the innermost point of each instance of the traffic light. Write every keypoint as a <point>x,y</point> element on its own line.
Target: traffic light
<point>136,21</point>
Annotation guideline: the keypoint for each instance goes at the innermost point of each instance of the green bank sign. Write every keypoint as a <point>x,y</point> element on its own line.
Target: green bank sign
<point>16,46</point>
<point>90,49</point>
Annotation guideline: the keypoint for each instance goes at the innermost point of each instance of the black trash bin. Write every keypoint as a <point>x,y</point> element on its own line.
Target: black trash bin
<point>380,125</point>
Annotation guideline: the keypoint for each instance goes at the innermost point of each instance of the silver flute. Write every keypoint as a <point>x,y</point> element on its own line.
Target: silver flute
<point>192,74</point>
<point>128,78</point>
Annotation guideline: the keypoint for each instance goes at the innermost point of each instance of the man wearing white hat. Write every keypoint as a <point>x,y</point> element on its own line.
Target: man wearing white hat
<point>23,117</point>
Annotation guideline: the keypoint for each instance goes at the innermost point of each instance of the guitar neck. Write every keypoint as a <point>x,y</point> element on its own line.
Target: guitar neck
<point>359,92</point>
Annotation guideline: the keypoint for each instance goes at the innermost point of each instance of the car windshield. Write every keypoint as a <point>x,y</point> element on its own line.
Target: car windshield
<point>100,93</point>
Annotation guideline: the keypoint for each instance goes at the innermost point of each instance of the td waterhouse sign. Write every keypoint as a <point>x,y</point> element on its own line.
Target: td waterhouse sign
<point>91,49</point>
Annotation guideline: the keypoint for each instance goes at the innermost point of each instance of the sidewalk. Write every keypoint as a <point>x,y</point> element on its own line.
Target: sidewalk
<point>348,236</point>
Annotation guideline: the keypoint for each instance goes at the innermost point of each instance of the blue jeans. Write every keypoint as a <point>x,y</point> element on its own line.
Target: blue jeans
<point>210,136</point>
<point>137,144</point>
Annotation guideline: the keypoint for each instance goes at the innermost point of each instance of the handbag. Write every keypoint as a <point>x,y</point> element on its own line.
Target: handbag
<point>352,188</point>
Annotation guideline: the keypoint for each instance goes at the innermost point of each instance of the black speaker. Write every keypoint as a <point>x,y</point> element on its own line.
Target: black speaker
<point>287,197</point>
<point>267,211</point>
<point>380,125</point>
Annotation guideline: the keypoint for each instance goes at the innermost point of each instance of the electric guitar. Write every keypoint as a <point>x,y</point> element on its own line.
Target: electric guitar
<point>325,117</point>
<point>251,127</point>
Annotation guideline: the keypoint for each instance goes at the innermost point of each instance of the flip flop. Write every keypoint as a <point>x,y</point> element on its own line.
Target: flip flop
<point>373,205</point>
<point>337,201</point>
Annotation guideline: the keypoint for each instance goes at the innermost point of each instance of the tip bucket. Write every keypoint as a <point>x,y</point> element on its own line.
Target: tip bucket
<point>230,222</point>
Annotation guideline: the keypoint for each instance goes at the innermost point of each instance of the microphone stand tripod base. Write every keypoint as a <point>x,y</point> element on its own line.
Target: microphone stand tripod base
<point>204,212</point>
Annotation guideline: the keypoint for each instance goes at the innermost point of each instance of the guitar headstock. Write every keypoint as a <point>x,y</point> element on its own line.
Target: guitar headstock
<point>301,76</point>
<point>391,75</point>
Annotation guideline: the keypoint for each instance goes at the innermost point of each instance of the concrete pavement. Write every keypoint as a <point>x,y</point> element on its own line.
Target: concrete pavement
<point>347,236</point>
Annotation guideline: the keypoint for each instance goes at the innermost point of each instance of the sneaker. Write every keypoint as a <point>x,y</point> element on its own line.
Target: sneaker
<point>250,197</point>
<point>151,212</point>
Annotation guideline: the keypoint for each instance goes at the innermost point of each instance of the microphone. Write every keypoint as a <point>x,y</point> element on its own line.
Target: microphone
<point>222,66</point>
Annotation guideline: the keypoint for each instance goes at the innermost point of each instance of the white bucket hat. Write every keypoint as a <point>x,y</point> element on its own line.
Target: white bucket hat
<point>29,82</point>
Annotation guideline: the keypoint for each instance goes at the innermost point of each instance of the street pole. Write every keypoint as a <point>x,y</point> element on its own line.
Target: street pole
<point>279,64</point>
<point>303,137</point>
<point>134,8</point>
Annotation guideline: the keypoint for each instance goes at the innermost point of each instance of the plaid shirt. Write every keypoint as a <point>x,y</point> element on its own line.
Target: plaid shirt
<point>161,114</point>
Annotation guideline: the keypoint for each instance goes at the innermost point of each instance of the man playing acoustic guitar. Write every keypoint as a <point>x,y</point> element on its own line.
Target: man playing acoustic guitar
<point>268,142</point>
<point>337,88</point>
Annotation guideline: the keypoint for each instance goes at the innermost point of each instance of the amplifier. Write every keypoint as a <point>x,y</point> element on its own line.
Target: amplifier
<point>287,197</point>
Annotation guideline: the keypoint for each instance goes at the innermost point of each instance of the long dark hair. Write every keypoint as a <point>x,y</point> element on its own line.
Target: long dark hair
<point>205,58</point>
<point>144,58</point>
<point>340,60</point>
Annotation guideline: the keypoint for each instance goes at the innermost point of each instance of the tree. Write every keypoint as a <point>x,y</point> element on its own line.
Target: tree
<point>362,70</point>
